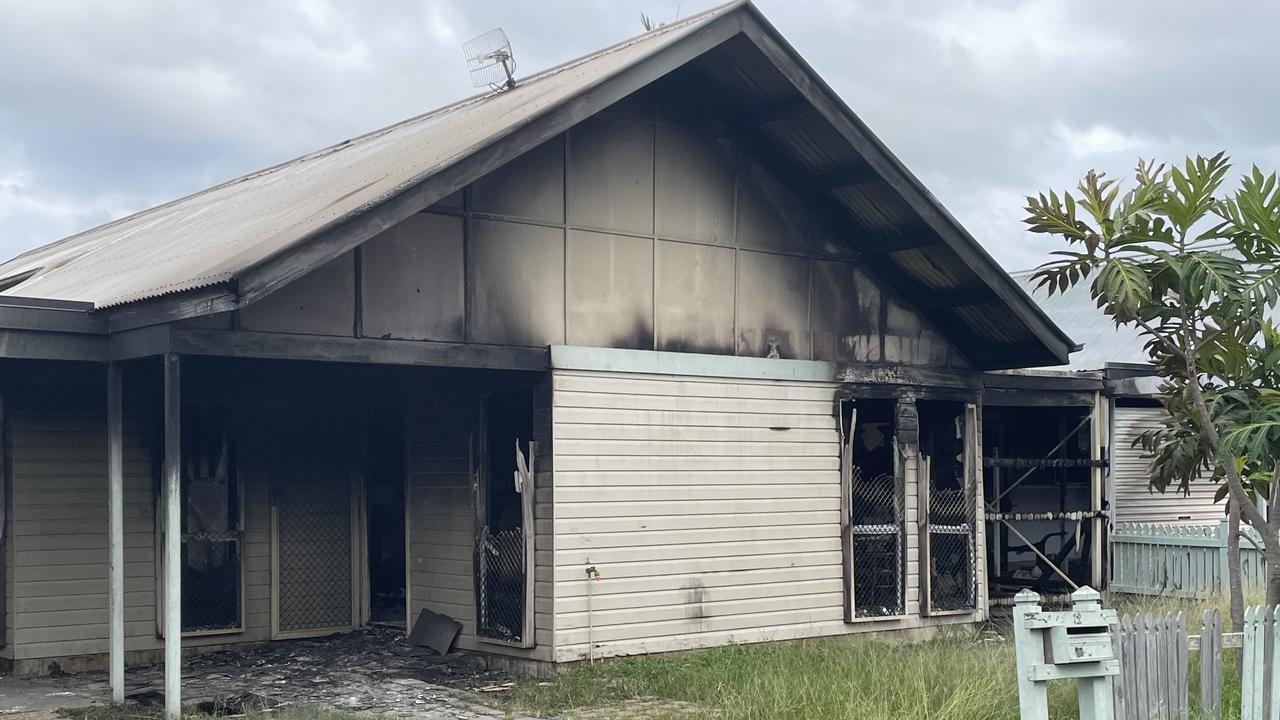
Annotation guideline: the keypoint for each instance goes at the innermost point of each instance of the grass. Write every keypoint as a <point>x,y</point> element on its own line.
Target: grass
<point>950,678</point>
<point>958,677</point>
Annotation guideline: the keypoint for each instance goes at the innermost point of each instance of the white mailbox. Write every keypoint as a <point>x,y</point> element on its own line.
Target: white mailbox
<point>1074,644</point>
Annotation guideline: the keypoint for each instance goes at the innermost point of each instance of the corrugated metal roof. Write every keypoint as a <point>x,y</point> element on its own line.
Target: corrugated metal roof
<point>1078,315</point>
<point>208,237</point>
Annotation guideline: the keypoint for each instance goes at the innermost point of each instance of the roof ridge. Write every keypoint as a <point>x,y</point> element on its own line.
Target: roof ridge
<point>337,147</point>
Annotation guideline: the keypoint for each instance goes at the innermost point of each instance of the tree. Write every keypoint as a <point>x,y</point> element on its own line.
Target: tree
<point>1197,274</point>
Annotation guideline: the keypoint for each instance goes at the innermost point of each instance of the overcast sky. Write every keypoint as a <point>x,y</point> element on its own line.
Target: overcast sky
<point>111,107</point>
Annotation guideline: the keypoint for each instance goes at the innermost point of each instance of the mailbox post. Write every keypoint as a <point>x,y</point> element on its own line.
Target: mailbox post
<point>1070,645</point>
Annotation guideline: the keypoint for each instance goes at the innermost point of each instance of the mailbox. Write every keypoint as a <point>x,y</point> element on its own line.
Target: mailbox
<point>1079,643</point>
<point>1067,645</point>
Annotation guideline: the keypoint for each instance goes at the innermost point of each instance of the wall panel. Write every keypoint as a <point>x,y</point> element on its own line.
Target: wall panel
<point>694,297</point>
<point>611,175</point>
<point>515,283</point>
<point>321,302</point>
<point>695,186</point>
<point>773,305</point>
<point>412,283</point>
<point>530,187</point>
<point>609,290</point>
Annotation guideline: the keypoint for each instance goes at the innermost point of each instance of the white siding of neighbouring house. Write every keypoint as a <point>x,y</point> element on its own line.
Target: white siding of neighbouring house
<point>711,509</point>
<point>1135,502</point>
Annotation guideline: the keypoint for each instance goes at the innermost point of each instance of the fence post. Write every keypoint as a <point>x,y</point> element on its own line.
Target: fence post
<point>1211,665</point>
<point>1224,570</point>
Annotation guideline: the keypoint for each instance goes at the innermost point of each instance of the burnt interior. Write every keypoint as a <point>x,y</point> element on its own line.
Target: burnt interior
<point>1037,461</point>
<point>951,512</point>
<point>384,477</point>
<point>212,531</point>
<point>500,561</point>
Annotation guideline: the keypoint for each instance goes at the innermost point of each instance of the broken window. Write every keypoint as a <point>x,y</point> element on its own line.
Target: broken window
<point>503,487</point>
<point>211,522</point>
<point>947,474</point>
<point>875,522</point>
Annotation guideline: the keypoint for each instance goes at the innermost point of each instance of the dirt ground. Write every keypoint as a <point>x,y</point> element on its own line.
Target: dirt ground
<point>368,671</point>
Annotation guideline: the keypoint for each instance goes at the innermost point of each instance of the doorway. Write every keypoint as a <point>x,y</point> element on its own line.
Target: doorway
<point>504,512</point>
<point>385,520</point>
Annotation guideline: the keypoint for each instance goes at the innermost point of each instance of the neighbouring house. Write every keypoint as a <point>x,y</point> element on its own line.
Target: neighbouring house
<point>658,349</point>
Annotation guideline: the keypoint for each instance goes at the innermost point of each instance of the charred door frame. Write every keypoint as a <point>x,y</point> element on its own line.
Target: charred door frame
<point>971,436</point>
<point>847,546</point>
<point>478,453</point>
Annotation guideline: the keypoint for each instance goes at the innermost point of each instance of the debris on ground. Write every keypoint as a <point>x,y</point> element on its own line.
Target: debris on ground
<point>368,671</point>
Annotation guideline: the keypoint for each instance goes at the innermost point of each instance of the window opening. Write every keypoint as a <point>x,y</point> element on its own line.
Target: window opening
<point>211,522</point>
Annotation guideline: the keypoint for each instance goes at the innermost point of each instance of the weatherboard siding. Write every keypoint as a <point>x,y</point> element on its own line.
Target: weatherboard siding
<point>710,508</point>
<point>59,542</point>
<point>1134,499</point>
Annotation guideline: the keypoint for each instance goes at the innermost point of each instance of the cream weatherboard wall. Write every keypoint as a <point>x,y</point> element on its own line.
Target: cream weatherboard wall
<point>710,506</point>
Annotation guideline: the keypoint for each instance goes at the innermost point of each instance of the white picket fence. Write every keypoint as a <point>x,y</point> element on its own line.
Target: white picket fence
<point>1184,561</point>
<point>1154,654</point>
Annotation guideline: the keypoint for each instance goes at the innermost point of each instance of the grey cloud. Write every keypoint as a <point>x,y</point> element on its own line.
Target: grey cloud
<point>107,108</point>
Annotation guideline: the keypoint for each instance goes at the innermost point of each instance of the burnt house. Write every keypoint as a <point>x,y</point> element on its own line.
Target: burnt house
<point>657,349</point>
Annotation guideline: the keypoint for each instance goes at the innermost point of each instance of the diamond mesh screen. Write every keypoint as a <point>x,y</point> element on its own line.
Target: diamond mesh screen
<point>314,552</point>
<point>210,583</point>
<point>500,582</point>
<point>876,524</point>
<point>952,571</point>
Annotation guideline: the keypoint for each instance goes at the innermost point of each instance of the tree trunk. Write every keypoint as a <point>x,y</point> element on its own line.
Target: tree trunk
<point>1234,582</point>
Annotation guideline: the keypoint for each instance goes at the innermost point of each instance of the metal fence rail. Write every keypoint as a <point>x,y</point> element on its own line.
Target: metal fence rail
<point>1184,561</point>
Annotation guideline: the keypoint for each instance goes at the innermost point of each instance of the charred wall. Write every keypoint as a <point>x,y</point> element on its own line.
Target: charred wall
<point>639,228</point>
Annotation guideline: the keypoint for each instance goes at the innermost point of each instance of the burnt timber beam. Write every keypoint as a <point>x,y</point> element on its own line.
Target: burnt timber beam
<point>319,348</point>
<point>1049,381</point>
<point>1007,397</point>
<point>843,177</point>
<point>40,345</point>
<point>46,318</point>
<point>774,111</point>
<point>170,308</point>
<point>960,297</point>
<point>890,375</point>
<point>139,342</point>
<point>912,239</point>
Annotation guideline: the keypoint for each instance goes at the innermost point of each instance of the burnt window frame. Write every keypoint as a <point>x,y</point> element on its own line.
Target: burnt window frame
<point>236,480</point>
<point>849,530</point>
<point>970,428</point>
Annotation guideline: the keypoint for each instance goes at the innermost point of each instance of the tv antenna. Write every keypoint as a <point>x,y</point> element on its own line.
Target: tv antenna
<point>490,61</point>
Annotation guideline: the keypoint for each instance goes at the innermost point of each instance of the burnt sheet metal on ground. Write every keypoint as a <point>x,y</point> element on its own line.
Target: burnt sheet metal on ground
<point>434,631</point>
